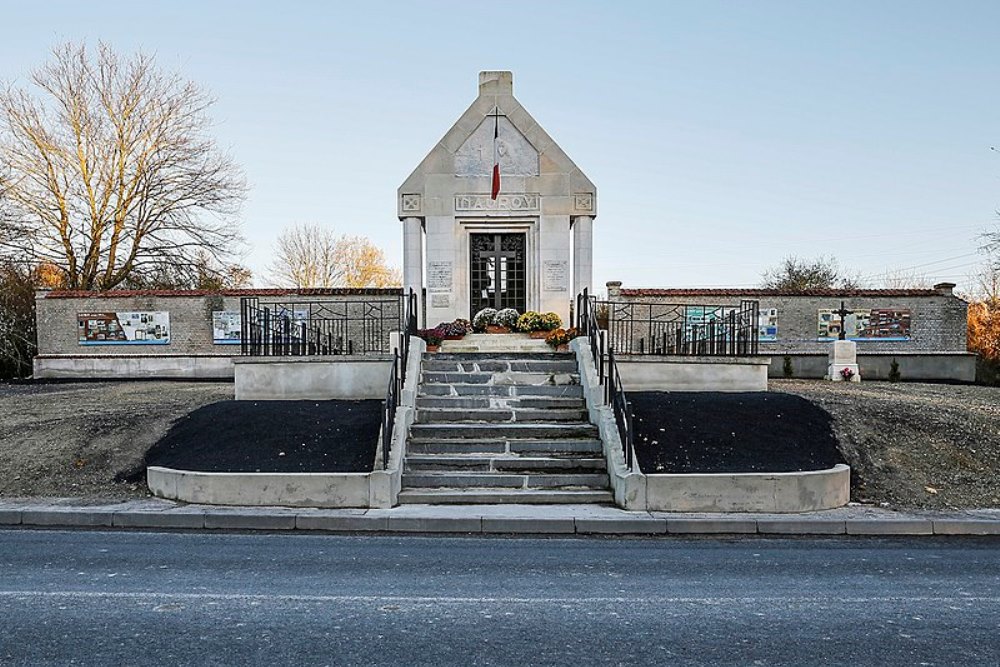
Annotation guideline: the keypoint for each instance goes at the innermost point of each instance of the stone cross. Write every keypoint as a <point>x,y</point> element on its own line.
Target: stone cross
<point>843,312</point>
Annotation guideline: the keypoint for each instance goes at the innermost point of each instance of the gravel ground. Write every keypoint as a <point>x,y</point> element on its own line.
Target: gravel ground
<point>914,445</point>
<point>74,439</point>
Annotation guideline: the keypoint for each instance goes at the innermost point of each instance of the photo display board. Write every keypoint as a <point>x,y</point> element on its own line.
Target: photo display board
<point>767,319</point>
<point>226,328</point>
<point>866,324</point>
<point>767,324</point>
<point>124,328</point>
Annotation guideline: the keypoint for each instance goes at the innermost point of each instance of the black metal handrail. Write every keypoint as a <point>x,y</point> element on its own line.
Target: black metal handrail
<point>669,329</point>
<point>615,397</point>
<point>321,328</point>
<point>397,375</point>
<point>607,372</point>
<point>586,321</point>
<point>392,398</point>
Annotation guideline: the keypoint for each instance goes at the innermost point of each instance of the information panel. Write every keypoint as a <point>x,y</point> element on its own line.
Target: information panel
<point>874,324</point>
<point>226,327</point>
<point>124,328</point>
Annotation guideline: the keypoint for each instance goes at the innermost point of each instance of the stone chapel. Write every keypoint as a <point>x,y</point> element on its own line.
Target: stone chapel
<point>530,247</point>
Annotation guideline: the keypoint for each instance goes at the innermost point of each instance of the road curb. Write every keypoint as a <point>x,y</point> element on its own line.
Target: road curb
<point>475,520</point>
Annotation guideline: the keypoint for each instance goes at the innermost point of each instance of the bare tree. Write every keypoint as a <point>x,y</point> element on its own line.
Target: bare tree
<point>903,279</point>
<point>312,256</point>
<point>111,173</point>
<point>306,256</point>
<point>799,275</point>
<point>991,245</point>
<point>17,320</point>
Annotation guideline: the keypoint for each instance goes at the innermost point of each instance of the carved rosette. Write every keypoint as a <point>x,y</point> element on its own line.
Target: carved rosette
<point>410,203</point>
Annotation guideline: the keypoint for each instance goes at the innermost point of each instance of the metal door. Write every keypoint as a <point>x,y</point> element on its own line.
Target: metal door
<point>497,271</point>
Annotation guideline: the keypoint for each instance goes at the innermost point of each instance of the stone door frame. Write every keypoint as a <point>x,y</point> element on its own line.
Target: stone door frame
<point>529,226</point>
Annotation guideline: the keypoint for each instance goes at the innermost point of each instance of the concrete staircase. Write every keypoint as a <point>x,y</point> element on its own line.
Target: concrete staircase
<point>502,427</point>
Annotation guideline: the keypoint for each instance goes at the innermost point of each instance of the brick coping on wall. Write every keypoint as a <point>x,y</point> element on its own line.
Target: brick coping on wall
<point>638,291</point>
<point>278,291</point>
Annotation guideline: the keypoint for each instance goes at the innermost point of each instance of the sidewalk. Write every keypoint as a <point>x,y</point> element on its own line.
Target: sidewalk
<point>153,513</point>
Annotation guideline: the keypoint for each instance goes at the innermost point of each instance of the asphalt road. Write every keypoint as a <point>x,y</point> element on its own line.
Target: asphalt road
<point>129,598</point>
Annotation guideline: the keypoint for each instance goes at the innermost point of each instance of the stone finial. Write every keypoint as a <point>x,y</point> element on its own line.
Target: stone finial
<point>945,289</point>
<point>496,83</point>
<point>614,289</point>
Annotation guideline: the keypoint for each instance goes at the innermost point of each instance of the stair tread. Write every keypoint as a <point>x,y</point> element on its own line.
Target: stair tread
<point>488,496</point>
<point>514,425</point>
<point>501,457</point>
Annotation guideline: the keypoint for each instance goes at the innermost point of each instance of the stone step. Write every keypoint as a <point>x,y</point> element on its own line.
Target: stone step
<point>548,447</point>
<point>454,480</point>
<point>474,496</point>
<point>497,356</point>
<point>507,431</point>
<point>500,378</point>
<point>499,415</point>
<point>515,402</point>
<point>502,463</point>
<point>555,391</point>
<point>491,365</point>
<point>495,343</point>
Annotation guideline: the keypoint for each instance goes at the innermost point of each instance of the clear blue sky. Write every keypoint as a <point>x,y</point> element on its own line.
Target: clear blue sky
<point>721,136</point>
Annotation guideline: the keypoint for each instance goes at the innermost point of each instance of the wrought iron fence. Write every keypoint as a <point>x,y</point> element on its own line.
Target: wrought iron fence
<point>329,327</point>
<point>681,329</point>
<point>397,375</point>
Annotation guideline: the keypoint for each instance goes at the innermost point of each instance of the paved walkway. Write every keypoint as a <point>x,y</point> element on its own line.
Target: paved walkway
<point>489,519</point>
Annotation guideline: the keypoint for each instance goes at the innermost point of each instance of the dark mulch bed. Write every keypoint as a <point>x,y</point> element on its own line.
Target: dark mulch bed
<point>273,436</point>
<point>714,432</point>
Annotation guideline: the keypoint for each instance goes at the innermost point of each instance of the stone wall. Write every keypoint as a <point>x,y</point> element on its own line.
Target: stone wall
<point>936,349</point>
<point>191,346</point>
<point>938,316</point>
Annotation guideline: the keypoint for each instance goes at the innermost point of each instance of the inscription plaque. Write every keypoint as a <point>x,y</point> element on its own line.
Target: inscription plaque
<point>528,201</point>
<point>555,275</point>
<point>439,276</point>
<point>440,300</point>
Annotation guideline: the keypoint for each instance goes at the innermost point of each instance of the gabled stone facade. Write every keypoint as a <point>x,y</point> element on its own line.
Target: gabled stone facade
<point>543,196</point>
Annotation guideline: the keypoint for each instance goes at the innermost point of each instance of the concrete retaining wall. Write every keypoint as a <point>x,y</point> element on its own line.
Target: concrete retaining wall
<point>693,373</point>
<point>133,366</point>
<point>311,378</point>
<point>923,366</point>
<point>750,492</point>
<point>260,488</point>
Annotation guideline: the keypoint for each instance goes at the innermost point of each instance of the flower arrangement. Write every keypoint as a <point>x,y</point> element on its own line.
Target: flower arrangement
<point>506,318</point>
<point>483,319</point>
<point>532,321</point>
<point>453,330</point>
<point>560,337</point>
<point>847,373</point>
<point>431,336</point>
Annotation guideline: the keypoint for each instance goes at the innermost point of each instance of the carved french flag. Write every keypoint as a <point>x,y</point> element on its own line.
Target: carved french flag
<point>496,157</point>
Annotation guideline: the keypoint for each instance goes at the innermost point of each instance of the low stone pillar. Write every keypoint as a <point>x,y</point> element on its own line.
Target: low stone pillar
<point>844,362</point>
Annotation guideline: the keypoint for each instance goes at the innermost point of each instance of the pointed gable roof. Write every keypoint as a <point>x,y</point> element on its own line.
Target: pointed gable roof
<point>531,161</point>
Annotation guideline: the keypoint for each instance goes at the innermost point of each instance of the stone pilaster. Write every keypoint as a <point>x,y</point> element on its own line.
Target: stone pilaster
<point>413,260</point>
<point>583,253</point>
